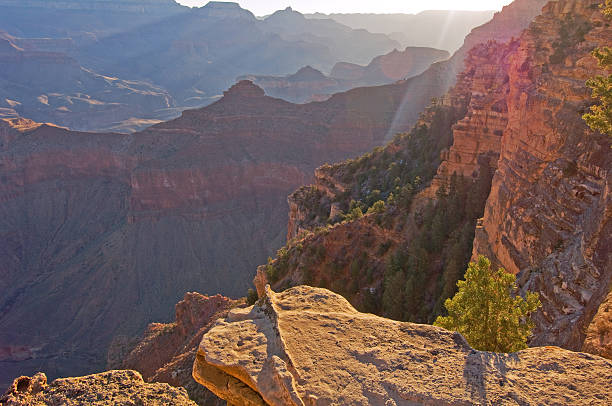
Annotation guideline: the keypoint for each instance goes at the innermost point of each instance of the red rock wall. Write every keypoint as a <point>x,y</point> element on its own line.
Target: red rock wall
<point>548,215</point>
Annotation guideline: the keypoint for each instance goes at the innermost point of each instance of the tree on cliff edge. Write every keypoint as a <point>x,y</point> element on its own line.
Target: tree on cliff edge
<point>486,313</point>
<point>600,117</point>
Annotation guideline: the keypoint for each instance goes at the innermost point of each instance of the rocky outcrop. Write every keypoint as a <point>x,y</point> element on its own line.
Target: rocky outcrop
<point>225,10</point>
<point>167,351</point>
<point>548,215</point>
<point>107,388</point>
<point>309,346</point>
<point>307,84</point>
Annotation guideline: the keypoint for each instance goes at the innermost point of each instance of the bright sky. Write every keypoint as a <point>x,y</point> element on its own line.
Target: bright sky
<point>264,7</point>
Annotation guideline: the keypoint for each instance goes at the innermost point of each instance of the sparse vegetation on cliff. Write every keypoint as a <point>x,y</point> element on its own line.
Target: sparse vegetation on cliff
<point>395,260</point>
<point>424,273</point>
<point>485,311</point>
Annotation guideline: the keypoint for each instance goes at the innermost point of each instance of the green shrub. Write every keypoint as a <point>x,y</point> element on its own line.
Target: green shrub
<point>377,208</point>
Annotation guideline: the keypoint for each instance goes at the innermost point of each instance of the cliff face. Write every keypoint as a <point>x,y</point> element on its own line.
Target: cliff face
<point>548,215</point>
<point>192,204</point>
<point>310,346</point>
<point>477,136</point>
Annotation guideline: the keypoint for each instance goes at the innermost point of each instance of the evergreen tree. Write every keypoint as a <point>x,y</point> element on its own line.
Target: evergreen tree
<point>485,312</point>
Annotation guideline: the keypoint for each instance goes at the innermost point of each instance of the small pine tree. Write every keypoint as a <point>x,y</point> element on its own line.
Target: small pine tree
<point>485,312</point>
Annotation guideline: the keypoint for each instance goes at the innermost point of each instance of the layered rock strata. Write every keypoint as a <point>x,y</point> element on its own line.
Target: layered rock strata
<point>107,388</point>
<point>308,346</point>
<point>477,137</point>
<point>548,215</point>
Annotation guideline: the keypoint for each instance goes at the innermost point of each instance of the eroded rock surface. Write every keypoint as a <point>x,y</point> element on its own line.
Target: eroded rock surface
<point>309,346</point>
<point>167,351</point>
<point>548,215</point>
<point>107,388</point>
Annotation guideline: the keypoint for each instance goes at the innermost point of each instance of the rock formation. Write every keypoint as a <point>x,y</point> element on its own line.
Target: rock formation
<point>107,388</point>
<point>308,346</point>
<point>548,215</point>
<point>167,351</point>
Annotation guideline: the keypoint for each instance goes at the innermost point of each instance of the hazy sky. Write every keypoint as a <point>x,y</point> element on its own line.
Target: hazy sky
<point>263,7</point>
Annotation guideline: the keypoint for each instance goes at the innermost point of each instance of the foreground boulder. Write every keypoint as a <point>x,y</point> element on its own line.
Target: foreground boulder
<point>309,346</point>
<point>107,388</point>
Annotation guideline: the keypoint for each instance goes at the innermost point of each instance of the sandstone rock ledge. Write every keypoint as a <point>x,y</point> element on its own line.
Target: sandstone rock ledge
<point>107,388</point>
<point>309,346</point>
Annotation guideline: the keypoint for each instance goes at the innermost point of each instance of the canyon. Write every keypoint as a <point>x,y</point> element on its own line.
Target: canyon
<point>101,233</point>
<point>102,59</point>
<point>190,204</point>
<point>120,86</point>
